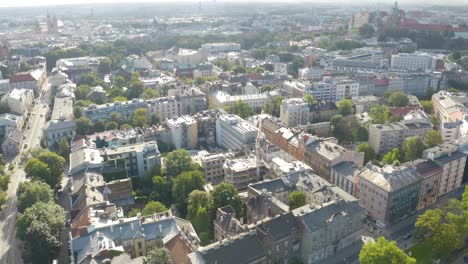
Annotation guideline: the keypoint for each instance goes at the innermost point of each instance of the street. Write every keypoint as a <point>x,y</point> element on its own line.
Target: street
<point>10,251</point>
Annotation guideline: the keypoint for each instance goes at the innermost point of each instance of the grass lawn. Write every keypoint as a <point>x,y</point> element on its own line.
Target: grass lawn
<point>421,252</point>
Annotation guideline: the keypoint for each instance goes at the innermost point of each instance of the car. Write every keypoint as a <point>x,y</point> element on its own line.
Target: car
<point>25,146</point>
<point>465,258</point>
<point>42,115</point>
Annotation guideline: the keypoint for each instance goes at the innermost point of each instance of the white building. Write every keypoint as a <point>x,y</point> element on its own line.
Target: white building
<point>333,89</point>
<point>184,131</point>
<point>20,101</point>
<point>220,99</point>
<point>187,56</point>
<point>294,111</point>
<point>413,61</point>
<point>220,47</point>
<point>234,133</point>
<point>62,124</point>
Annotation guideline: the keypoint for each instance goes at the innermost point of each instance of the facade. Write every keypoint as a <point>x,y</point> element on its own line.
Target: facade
<point>452,163</point>
<point>413,62</point>
<point>33,80</point>
<point>220,99</point>
<point>334,89</point>
<point>20,101</point>
<point>184,132</point>
<point>62,123</point>
<point>329,230</point>
<point>11,146</point>
<point>389,193</point>
<point>241,172</point>
<point>431,173</point>
<point>9,122</point>
<point>385,137</point>
<point>321,154</point>
<point>294,111</point>
<point>222,47</point>
<point>126,109</point>
<point>344,175</point>
<point>212,166</point>
<point>135,236</point>
<point>365,103</point>
<point>234,133</point>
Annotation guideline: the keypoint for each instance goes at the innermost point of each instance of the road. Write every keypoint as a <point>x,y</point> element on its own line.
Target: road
<point>10,250</point>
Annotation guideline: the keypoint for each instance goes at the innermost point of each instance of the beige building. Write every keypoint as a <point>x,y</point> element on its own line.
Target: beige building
<point>294,111</point>
<point>453,164</point>
<point>242,171</point>
<point>184,131</point>
<point>385,137</point>
<point>20,101</point>
<point>212,166</point>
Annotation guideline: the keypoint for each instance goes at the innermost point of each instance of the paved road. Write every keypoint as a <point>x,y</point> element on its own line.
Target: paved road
<point>10,246</point>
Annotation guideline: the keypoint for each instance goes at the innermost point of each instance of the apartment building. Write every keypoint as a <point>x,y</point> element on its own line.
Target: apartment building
<point>413,61</point>
<point>385,137</point>
<point>126,109</point>
<point>431,173</point>
<point>234,133</point>
<point>333,89</point>
<point>32,80</point>
<point>452,161</point>
<point>19,101</point>
<point>184,131</point>
<point>294,111</point>
<point>389,193</point>
<point>449,108</point>
<point>344,175</point>
<point>240,172</point>
<point>220,99</point>
<point>221,47</point>
<point>212,166</point>
<point>62,124</point>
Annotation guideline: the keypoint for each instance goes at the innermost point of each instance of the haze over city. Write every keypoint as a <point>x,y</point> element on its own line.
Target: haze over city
<point>233,132</point>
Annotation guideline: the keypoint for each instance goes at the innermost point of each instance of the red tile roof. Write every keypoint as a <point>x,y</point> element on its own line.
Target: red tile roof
<point>402,111</point>
<point>381,82</point>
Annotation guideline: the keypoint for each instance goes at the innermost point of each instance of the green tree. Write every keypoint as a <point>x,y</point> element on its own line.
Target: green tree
<point>77,112</point>
<point>309,98</point>
<point>434,120</point>
<point>347,129</point>
<point>104,65</point>
<point>4,181</point>
<point>427,105</point>
<point>276,105</point>
<point>197,199</point>
<point>64,148</point>
<point>3,198</point>
<point>39,227</point>
<point>201,223</point>
<point>239,108</point>
<point>56,167</point>
<point>36,168</point>
<point>226,194</point>
<point>433,138</point>
<point>177,162</point>
<point>84,126</point>
<point>111,126</point>
<point>366,31</point>
<point>183,185</point>
<point>413,148</point>
<point>296,199</point>
<point>153,207</point>
<point>135,89</point>
<point>150,93</point>
<point>369,152</point>
<point>91,79</point>
<point>384,252</point>
<point>155,119</point>
<point>379,114</point>
<point>159,256</point>
<point>116,117</point>
<point>140,117</point>
<point>392,156</point>
<point>82,91</point>
<point>238,69</point>
<point>24,67</point>
<point>118,82</point>
<point>398,99</point>
<point>345,107</point>
<point>30,193</point>
<point>162,189</point>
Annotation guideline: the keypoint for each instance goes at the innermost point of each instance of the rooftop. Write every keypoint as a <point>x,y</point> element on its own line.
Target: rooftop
<point>390,178</point>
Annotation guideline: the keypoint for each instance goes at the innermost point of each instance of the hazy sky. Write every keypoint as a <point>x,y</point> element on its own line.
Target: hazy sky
<point>14,3</point>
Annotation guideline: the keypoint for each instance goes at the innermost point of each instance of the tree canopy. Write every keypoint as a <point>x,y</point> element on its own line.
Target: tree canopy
<point>384,252</point>
<point>183,185</point>
<point>345,107</point>
<point>153,207</point>
<point>178,161</point>
<point>398,99</point>
<point>413,148</point>
<point>369,152</point>
<point>30,193</point>
<point>433,138</point>
<point>296,199</point>
<point>140,117</point>
<point>225,194</point>
<point>196,200</point>
<point>239,108</point>
<point>159,256</point>
<point>379,114</point>
<point>392,156</point>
